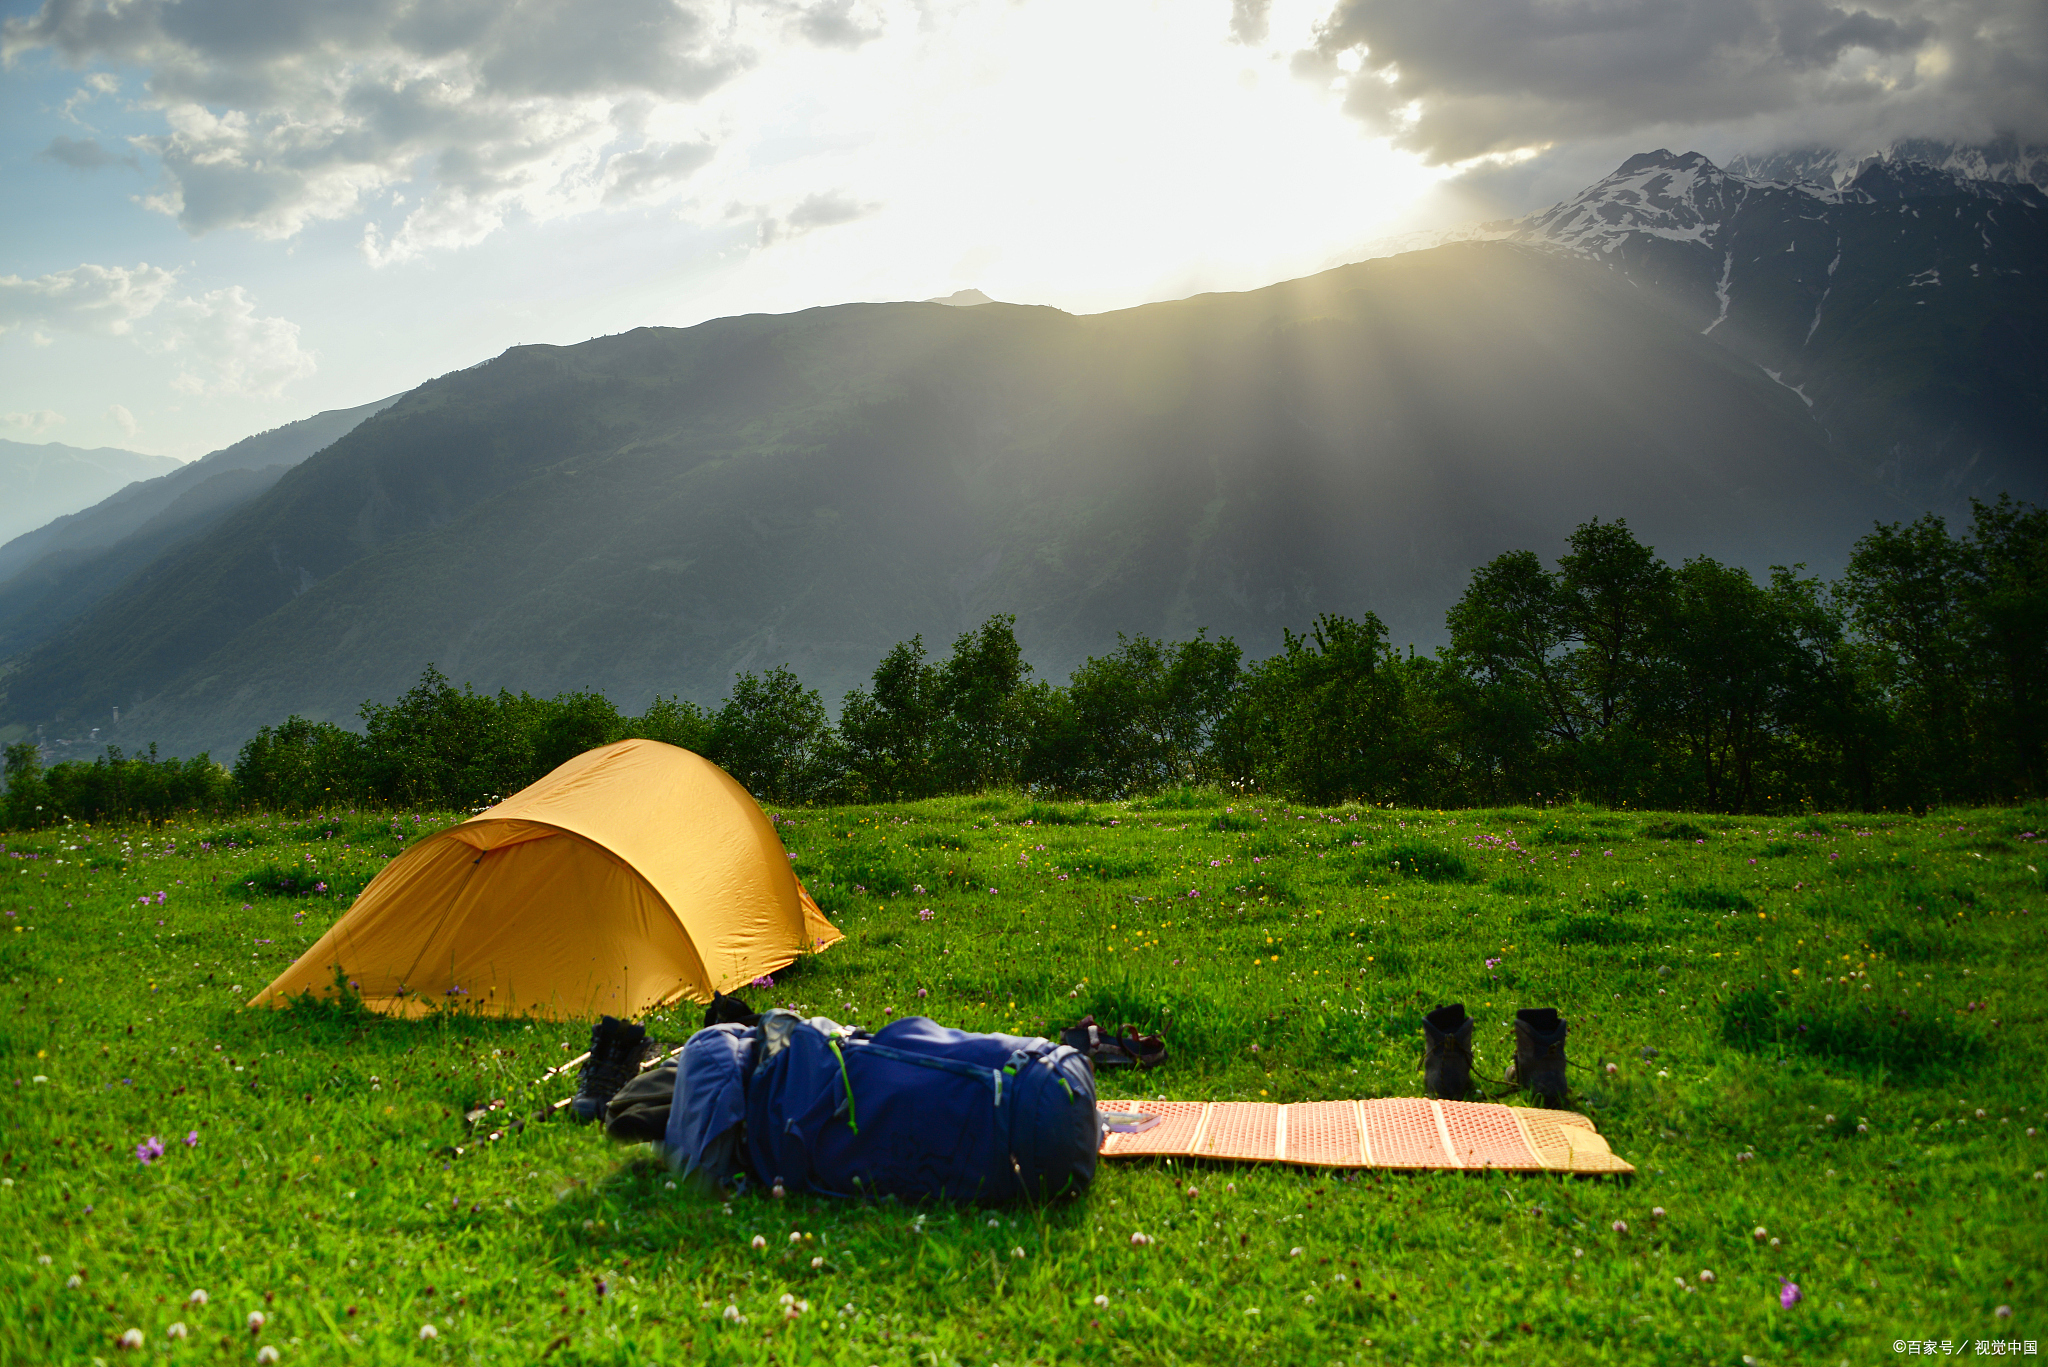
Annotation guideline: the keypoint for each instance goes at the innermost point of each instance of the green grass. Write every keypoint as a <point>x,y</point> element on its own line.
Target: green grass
<point>1830,1029</point>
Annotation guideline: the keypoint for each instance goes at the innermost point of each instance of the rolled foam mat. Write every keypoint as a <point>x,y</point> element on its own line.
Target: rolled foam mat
<point>1387,1132</point>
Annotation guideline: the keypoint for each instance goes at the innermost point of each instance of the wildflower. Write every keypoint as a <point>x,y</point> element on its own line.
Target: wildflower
<point>1612,1069</point>
<point>1102,1302</point>
<point>1656,1212</point>
<point>266,1354</point>
<point>149,1150</point>
<point>1788,1293</point>
<point>43,1260</point>
<point>192,1139</point>
<point>177,1330</point>
<point>1294,1252</point>
<point>73,1282</point>
<point>921,994</point>
<point>1621,1226</point>
<point>817,1263</point>
<point>1016,1253</point>
<point>795,1237</point>
<point>2003,1312</point>
<point>1760,1234</point>
<point>732,1314</point>
<point>428,1331</point>
<point>788,1299</point>
<point>130,1338</point>
<point>760,1241</point>
<point>1308,1298</point>
<point>255,1321</point>
<point>1193,1192</point>
<point>1707,1276</point>
<point>198,1297</point>
<point>1140,1239</point>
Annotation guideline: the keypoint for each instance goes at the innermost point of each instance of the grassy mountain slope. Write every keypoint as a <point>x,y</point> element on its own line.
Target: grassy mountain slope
<point>60,585</point>
<point>657,510</point>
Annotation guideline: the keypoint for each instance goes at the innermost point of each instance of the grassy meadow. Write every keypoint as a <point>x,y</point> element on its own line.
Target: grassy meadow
<point>1819,1039</point>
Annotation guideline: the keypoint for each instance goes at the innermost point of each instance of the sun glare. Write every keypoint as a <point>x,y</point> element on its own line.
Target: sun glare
<point>1021,150</point>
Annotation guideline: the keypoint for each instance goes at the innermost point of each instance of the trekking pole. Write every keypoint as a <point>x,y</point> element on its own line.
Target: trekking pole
<point>654,1062</point>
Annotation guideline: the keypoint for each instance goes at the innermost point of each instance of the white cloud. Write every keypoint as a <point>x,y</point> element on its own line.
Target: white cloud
<point>295,111</point>
<point>1479,77</point>
<point>124,420</point>
<point>224,347</point>
<point>227,349</point>
<point>102,299</point>
<point>36,423</point>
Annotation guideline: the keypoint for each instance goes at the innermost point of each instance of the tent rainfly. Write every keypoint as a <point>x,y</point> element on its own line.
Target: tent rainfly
<point>634,875</point>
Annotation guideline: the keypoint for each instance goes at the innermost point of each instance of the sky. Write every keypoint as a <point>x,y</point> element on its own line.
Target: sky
<point>224,215</point>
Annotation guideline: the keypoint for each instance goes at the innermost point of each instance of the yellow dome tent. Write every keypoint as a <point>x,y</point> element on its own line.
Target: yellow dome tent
<point>635,875</point>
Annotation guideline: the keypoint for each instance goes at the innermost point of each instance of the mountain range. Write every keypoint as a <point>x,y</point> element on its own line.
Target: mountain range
<point>1746,368</point>
<point>48,479</point>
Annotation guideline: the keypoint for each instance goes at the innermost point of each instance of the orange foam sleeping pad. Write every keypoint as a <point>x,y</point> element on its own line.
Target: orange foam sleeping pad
<point>1387,1132</point>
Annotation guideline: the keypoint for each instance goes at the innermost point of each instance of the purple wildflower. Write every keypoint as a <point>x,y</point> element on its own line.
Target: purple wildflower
<point>192,1140</point>
<point>1789,1294</point>
<point>149,1150</point>
<point>765,980</point>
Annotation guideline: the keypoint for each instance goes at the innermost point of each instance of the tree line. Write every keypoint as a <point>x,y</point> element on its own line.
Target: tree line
<point>1916,679</point>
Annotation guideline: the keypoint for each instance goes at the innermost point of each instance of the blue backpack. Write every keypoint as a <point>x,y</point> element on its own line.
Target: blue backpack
<point>915,1110</point>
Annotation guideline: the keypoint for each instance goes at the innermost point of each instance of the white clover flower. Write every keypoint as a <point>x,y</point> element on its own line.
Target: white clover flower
<point>266,1354</point>
<point>817,1262</point>
<point>1016,1253</point>
<point>256,1320</point>
<point>428,1331</point>
<point>198,1297</point>
<point>1295,1252</point>
<point>177,1330</point>
<point>760,1241</point>
<point>1707,1276</point>
<point>73,1282</point>
<point>130,1338</point>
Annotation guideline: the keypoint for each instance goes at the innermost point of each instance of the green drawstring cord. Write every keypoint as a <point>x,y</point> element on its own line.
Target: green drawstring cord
<point>852,1122</point>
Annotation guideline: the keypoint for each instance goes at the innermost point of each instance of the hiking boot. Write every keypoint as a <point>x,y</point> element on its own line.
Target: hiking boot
<point>1447,1052</point>
<point>614,1061</point>
<point>725,1010</point>
<point>1539,1055</point>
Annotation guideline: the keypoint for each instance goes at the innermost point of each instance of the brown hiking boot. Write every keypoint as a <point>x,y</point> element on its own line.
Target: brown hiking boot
<point>1447,1052</point>
<point>1539,1055</point>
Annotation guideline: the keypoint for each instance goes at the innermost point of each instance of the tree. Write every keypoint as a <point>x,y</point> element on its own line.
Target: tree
<point>299,764</point>
<point>1328,718</point>
<point>1143,717</point>
<point>891,732</point>
<point>980,744</point>
<point>1908,596</point>
<point>2006,592</point>
<point>1730,682</point>
<point>773,737</point>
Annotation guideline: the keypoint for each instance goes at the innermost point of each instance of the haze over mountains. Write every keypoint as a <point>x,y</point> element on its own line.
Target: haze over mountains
<point>43,480</point>
<point>1741,368</point>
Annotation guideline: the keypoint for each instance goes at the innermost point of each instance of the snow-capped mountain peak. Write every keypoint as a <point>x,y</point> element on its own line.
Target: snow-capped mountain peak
<point>1678,198</point>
